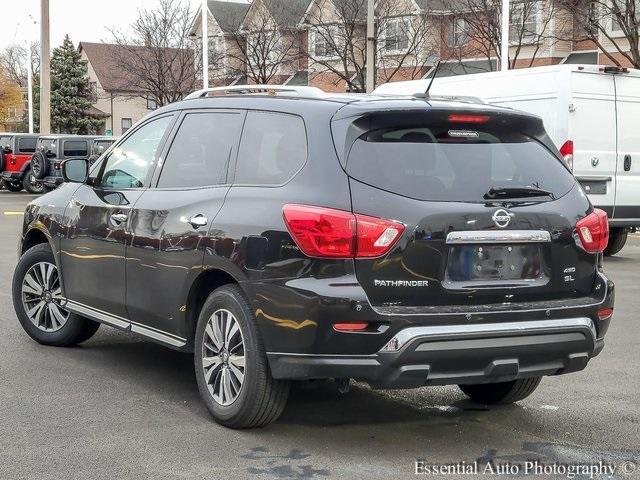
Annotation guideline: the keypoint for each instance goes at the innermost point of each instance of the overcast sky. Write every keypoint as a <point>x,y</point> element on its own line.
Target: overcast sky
<point>84,20</point>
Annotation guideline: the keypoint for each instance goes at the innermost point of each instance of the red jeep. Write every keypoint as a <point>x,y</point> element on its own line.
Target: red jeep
<point>15,162</point>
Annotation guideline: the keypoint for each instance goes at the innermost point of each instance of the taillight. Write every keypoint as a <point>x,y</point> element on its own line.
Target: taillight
<point>11,158</point>
<point>57,165</point>
<point>566,150</point>
<point>464,118</point>
<point>327,232</point>
<point>605,313</point>
<point>593,231</point>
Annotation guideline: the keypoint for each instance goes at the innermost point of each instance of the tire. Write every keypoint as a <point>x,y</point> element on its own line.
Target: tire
<point>39,165</point>
<point>617,239</point>
<point>31,187</point>
<point>259,399</point>
<point>52,329</point>
<point>12,187</point>
<point>501,393</point>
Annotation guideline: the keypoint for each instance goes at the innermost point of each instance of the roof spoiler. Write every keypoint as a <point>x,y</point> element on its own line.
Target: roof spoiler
<point>274,90</point>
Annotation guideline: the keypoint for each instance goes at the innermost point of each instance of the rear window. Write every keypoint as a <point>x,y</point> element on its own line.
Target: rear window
<point>27,144</point>
<point>75,148</point>
<point>454,164</point>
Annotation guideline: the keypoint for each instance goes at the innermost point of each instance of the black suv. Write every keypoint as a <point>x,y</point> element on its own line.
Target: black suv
<point>290,234</point>
<point>51,151</point>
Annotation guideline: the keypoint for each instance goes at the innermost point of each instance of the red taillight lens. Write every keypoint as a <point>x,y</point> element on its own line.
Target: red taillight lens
<point>350,327</point>
<point>593,231</point>
<point>566,150</point>
<point>605,313</point>
<point>462,118</point>
<point>326,232</point>
<point>57,165</point>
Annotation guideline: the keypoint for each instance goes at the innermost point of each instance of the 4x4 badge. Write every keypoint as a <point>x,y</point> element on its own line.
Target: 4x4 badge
<point>501,218</point>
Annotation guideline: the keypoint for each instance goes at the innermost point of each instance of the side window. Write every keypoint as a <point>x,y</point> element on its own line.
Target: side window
<point>199,155</point>
<point>27,144</point>
<point>75,148</point>
<point>272,150</point>
<point>130,162</point>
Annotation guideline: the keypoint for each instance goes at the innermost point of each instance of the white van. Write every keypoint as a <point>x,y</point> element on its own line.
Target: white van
<point>592,113</point>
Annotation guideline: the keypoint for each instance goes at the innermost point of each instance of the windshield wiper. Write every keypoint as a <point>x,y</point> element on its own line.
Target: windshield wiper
<point>516,192</point>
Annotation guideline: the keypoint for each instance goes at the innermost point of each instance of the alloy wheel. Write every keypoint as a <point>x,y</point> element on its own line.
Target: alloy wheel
<point>223,357</point>
<point>42,297</point>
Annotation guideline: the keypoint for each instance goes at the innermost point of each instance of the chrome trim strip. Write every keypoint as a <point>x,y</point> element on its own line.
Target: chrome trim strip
<point>486,329</point>
<point>495,236</point>
<point>104,317</point>
<point>124,324</point>
<point>156,335</point>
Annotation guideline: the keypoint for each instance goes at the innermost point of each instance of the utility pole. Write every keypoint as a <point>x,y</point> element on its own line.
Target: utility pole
<point>204,13</point>
<point>45,69</point>
<point>29,87</point>
<point>504,44</point>
<point>371,47</point>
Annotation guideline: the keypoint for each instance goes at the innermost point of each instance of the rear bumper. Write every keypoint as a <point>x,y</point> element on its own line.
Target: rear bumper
<point>457,354</point>
<point>11,176</point>
<point>52,181</point>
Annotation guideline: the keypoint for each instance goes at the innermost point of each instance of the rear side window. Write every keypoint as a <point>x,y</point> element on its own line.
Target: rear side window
<point>273,149</point>
<point>75,148</point>
<point>4,141</point>
<point>200,153</point>
<point>455,164</point>
<point>27,144</point>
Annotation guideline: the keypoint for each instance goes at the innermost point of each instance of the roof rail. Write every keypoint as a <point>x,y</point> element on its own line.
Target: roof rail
<point>298,91</point>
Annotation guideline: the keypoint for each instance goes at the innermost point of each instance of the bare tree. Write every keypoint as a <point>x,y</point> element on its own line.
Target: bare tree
<point>530,22</point>
<point>614,22</point>
<point>157,58</point>
<point>264,46</point>
<point>404,42</point>
<point>13,61</point>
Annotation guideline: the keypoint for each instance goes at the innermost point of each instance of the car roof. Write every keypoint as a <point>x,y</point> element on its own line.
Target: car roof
<point>346,103</point>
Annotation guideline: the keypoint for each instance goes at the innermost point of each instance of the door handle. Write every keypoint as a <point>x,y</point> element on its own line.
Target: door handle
<point>198,221</point>
<point>627,163</point>
<point>119,217</point>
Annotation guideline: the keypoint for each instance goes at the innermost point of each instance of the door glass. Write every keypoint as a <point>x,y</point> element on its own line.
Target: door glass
<point>200,152</point>
<point>130,162</point>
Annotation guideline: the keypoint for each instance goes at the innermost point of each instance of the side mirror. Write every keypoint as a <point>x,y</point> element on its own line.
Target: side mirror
<point>75,170</point>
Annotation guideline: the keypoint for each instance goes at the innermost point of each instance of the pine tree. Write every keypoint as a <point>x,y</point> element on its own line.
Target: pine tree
<point>70,95</point>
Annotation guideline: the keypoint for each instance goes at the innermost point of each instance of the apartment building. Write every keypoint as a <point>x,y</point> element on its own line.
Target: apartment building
<point>326,40</point>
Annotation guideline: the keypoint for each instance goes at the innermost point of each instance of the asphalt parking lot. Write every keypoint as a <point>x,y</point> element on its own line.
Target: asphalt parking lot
<point>120,407</point>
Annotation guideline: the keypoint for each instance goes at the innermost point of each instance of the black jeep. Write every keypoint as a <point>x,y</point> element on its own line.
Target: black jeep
<point>51,151</point>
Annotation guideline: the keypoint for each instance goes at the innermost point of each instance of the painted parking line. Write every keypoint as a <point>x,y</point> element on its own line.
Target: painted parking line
<point>14,213</point>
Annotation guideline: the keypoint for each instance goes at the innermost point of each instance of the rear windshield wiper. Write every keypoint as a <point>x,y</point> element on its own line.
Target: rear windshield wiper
<point>516,192</point>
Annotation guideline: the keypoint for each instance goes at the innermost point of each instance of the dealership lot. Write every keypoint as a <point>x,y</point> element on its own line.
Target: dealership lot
<point>122,407</point>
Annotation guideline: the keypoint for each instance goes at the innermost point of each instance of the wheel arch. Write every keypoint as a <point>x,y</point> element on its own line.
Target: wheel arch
<point>202,286</point>
<point>36,235</point>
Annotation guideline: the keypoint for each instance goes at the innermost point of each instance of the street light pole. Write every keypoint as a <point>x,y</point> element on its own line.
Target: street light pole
<point>45,69</point>
<point>204,13</point>
<point>29,87</point>
<point>371,47</point>
<point>504,44</point>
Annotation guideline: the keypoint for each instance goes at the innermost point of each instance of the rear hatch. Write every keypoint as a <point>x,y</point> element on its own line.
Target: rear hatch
<point>489,208</point>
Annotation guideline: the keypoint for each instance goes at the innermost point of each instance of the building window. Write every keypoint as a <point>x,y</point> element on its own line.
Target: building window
<point>151,103</point>
<point>458,32</point>
<point>524,23</point>
<point>126,124</point>
<point>396,35</point>
<point>12,112</point>
<point>326,40</point>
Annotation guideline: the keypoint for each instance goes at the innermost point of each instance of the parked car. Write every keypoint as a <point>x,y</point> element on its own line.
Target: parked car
<point>51,151</point>
<point>15,162</point>
<point>281,233</point>
<point>590,112</point>
<point>99,145</point>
